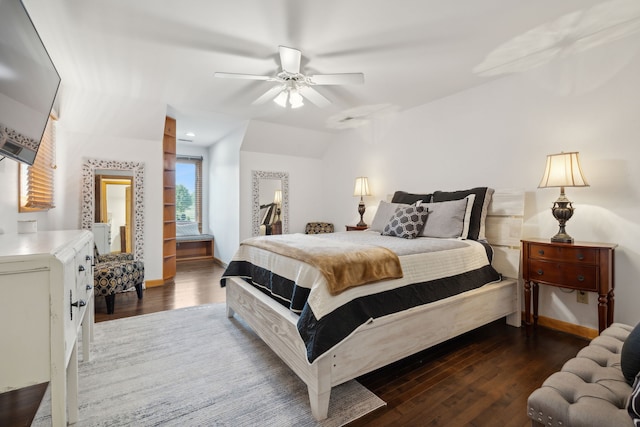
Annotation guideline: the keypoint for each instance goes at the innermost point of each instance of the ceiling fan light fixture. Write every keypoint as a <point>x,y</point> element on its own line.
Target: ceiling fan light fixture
<point>281,99</point>
<point>295,99</point>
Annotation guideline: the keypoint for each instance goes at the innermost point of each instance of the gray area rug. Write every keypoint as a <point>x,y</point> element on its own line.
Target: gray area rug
<point>196,367</point>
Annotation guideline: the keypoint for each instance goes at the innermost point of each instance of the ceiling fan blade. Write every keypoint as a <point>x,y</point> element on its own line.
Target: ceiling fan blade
<point>241,76</point>
<point>314,96</point>
<point>268,95</point>
<point>290,59</point>
<point>337,79</point>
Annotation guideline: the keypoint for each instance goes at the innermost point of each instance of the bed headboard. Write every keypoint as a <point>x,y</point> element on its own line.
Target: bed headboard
<point>504,230</point>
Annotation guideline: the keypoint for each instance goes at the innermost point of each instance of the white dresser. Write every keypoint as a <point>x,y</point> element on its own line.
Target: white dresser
<point>46,283</point>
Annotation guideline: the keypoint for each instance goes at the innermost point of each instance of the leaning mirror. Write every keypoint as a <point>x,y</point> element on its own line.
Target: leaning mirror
<point>119,185</point>
<point>270,207</point>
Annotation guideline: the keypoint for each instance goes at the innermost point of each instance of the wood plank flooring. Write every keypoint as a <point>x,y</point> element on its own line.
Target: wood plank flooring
<point>482,378</point>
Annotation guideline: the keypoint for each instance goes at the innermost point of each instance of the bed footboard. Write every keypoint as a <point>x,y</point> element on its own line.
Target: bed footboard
<point>276,326</point>
<point>387,339</point>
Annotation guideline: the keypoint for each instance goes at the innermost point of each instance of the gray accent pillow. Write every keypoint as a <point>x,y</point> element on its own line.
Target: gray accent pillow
<point>406,222</point>
<point>447,219</point>
<point>383,214</point>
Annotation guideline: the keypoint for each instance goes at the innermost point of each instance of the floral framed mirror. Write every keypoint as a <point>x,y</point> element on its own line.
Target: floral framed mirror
<point>136,171</point>
<point>270,202</point>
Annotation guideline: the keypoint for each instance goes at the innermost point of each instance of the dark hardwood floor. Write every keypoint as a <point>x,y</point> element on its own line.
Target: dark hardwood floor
<point>482,378</point>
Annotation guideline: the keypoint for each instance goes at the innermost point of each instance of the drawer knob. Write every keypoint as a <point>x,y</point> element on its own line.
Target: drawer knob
<point>580,278</point>
<point>89,287</point>
<point>87,258</point>
<point>580,257</point>
<point>540,272</point>
<point>540,252</point>
<point>81,268</point>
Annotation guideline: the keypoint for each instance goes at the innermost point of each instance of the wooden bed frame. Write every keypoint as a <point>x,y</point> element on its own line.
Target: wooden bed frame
<point>391,338</point>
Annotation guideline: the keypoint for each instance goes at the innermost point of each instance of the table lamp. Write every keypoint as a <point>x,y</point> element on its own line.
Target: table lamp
<point>562,170</point>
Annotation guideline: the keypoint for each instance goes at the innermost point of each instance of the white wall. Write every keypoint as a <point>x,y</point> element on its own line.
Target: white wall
<point>110,128</point>
<point>9,215</point>
<point>224,195</point>
<point>277,148</point>
<point>498,135</point>
<point>305,189</point>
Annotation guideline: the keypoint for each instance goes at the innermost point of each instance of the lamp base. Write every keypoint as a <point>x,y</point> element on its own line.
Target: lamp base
<point>562,210</point>
<point>562,238</point>
<point>361,210</point>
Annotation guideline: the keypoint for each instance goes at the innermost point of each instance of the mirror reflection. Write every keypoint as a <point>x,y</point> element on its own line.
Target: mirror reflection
<point>113,208</point>
<point>270,206</point>
<point>270,203</point>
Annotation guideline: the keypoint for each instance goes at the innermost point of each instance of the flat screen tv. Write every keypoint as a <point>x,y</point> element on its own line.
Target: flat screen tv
<point>28,84</point>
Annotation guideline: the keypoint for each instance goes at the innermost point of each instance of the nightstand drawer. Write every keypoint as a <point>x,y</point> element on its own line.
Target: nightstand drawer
<point>563,253</point>
<point>574,276</point>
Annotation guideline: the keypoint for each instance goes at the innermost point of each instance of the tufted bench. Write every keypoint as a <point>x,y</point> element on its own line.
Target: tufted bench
<point>590,390</point>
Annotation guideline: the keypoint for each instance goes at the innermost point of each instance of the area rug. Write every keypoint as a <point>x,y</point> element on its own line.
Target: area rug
<point>196,367</point>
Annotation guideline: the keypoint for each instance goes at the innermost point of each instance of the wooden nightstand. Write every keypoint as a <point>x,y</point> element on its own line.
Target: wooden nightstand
<point>582,266</point>
<point>356,227</point>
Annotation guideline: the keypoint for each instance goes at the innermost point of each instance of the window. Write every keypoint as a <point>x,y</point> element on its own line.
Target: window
<point>189,189</point>
<point>35,182</point>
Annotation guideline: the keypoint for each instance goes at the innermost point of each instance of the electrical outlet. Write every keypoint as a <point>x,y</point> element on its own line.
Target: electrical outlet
<point>583,297</point>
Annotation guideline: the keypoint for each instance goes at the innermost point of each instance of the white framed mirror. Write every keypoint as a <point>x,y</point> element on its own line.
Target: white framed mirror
<point>136,171</point>
<point>270,202</point>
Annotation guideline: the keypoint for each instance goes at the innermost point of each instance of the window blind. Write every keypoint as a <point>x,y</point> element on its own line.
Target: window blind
<point>36,181</point>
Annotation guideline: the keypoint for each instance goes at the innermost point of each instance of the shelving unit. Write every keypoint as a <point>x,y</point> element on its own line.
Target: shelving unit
<point>169,200</point>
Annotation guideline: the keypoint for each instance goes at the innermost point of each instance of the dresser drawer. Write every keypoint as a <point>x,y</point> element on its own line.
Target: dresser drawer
<point>83,287</point>
<point>563,254</point>
<point>574,276</point>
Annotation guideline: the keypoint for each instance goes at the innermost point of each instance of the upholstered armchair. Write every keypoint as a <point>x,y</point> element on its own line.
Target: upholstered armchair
<point>115,273</point>
<point>318,227</point>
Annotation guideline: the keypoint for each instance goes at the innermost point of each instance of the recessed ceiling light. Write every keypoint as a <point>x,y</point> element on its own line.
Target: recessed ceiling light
<point>191,134</point>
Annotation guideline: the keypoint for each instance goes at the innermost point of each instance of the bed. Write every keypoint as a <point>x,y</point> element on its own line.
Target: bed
<point>384,337</point>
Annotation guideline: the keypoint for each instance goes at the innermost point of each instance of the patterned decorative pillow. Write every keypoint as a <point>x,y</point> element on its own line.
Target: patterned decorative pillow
<point>406,222</point>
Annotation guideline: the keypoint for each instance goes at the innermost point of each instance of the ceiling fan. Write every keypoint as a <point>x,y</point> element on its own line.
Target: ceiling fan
<point>292,85</point>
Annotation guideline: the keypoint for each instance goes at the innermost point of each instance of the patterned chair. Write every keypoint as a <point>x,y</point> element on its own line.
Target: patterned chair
<point>114,273</point>
<point>318,227</point>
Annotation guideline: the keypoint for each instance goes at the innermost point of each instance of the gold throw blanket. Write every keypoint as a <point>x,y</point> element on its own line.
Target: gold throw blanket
<point>343,264</point>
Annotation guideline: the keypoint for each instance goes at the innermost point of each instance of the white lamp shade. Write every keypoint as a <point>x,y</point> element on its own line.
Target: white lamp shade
<point>295,99</point>
<point>281,99</point>
<point>277,197</point>
<point>563,170</point>
<point>362,187</point>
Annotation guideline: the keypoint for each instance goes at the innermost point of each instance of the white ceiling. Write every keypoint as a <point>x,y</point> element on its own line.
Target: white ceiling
<point>410,51</point>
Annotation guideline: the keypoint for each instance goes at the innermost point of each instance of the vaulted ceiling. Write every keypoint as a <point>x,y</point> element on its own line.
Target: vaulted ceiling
<point>410,51</point>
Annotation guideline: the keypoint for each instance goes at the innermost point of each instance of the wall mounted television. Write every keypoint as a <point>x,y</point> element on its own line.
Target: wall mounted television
<point>29,83</point>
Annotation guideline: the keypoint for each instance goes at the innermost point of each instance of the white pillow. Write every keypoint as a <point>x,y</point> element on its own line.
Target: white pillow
<point>448,219</point>
<point>187,228</point>
<point>383,214</point>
